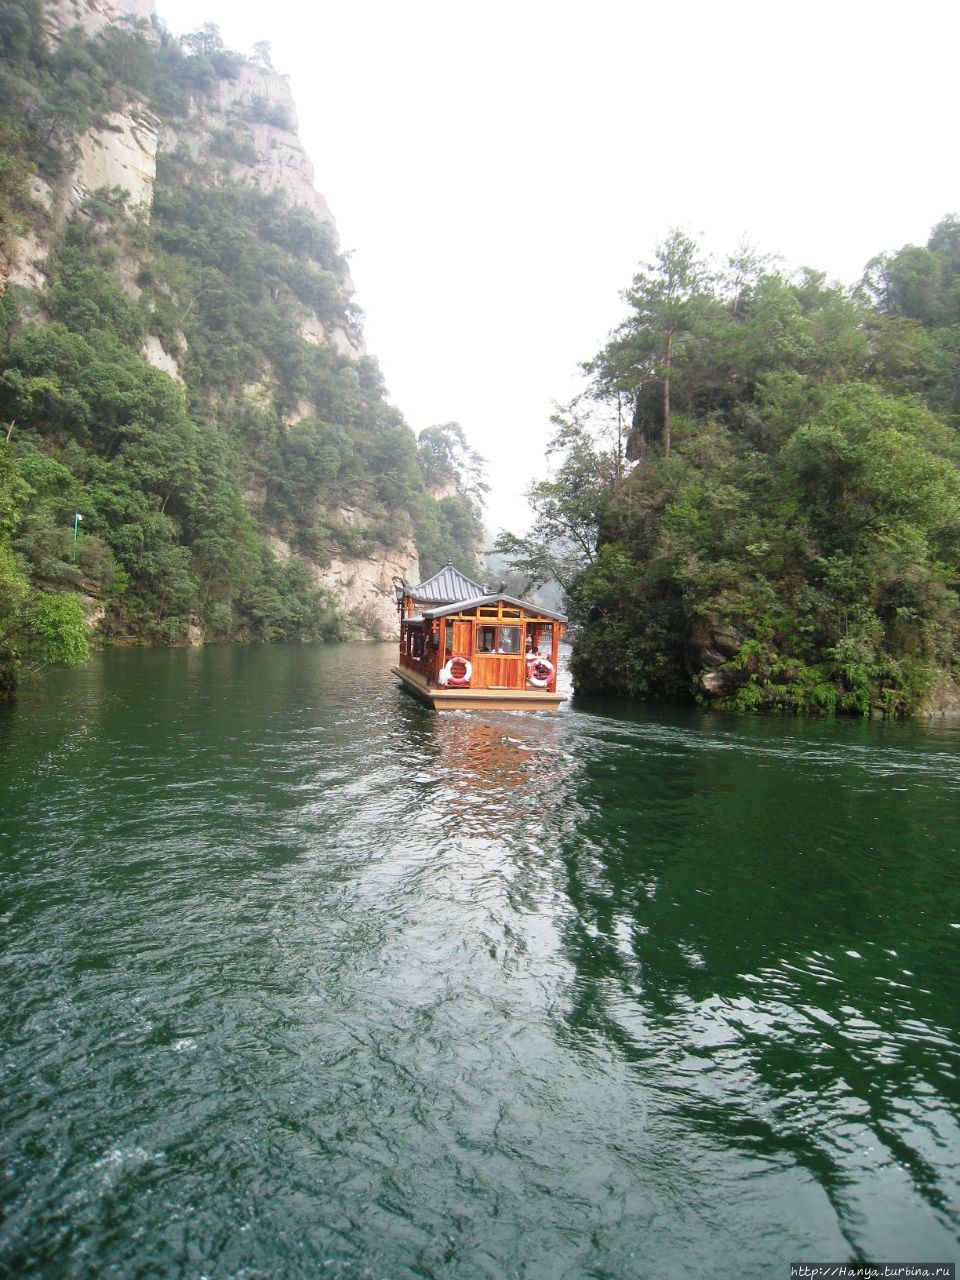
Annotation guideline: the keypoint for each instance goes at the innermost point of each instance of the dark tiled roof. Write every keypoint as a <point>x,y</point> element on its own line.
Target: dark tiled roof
<point>446,587</point>
<point>450,590</point>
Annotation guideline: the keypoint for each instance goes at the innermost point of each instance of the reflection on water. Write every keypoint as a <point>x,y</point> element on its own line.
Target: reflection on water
<point>303,979</point>
<point>496,776</point>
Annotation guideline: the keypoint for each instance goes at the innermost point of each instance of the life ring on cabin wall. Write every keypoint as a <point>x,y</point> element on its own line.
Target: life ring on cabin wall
<point>540,672</point>
<point>458,672</point>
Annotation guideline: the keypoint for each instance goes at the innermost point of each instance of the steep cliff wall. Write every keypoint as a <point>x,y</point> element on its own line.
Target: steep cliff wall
<point>274,159</point>
<point>61,16</point>
<point>120,153</point>
<point>123,153</point>
<point>237,132</point>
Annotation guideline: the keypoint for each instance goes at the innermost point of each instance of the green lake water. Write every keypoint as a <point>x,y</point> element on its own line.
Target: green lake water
<point>303,980</point>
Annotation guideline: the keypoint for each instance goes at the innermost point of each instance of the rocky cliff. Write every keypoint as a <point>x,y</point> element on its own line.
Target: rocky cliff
<point>234,130</point>
<point>122,152</point>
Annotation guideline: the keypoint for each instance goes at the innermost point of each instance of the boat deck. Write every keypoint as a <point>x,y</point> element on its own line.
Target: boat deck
<point>493,699</point>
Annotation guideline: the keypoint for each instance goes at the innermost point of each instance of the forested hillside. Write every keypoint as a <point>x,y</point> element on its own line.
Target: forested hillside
<point>194,440</point>
<point>757,503</point>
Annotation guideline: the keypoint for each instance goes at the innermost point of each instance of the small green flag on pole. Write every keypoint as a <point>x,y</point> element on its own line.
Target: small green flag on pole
<point>77,517</point>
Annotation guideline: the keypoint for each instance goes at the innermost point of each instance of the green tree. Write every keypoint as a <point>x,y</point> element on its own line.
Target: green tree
<point>36,627</point>
<point>916,325</point>
<point>798,545</point>
<point>665,300</point>
<point>569,509</point>
<point>446,459</point>
<point>260,54</point>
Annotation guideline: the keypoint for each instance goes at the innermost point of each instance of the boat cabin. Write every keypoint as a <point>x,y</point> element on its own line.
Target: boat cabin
<point>462,645</point>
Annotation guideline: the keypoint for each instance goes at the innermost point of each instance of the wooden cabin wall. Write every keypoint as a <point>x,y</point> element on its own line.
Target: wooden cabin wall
<point>499,671</point>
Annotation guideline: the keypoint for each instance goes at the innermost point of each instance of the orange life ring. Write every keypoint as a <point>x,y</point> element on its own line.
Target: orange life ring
<point>540,672</point>
<point>458,671</point>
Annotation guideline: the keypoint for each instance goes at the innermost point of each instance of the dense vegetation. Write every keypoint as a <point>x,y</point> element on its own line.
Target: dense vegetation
<point>757,503</point>
<point>180,485</point>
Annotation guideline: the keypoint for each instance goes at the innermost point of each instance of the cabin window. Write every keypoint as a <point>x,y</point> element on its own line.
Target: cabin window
<point>509,640</point>
<point>498,640</point>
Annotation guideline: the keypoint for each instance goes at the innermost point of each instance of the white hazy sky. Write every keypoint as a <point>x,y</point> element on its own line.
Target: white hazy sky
<point>498,171</point>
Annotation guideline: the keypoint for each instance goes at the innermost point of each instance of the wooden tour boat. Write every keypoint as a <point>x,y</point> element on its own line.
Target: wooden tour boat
<point>463,646</point>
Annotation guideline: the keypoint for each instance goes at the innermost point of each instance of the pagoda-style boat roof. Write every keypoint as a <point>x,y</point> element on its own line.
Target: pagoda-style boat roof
<point>445,587</point>
<point>450,591</point>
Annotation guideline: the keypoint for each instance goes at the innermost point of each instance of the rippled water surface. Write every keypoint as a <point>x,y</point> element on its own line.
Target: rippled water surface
<point>303,980</point>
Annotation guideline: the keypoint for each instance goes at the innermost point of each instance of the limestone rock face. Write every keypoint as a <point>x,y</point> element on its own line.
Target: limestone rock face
<point>364,590</point>
<point>59,16</point>
<point>363,586</point>
<point>257,105</point>
<point>121,154</point>
<point>943,699</point>
<point>281,163</point>
<point>312,331</point>
<point>24,264</point>
<point>711,644</point>
<point>124,154</point>
<point>278,160</point>
<point>154,354</point>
